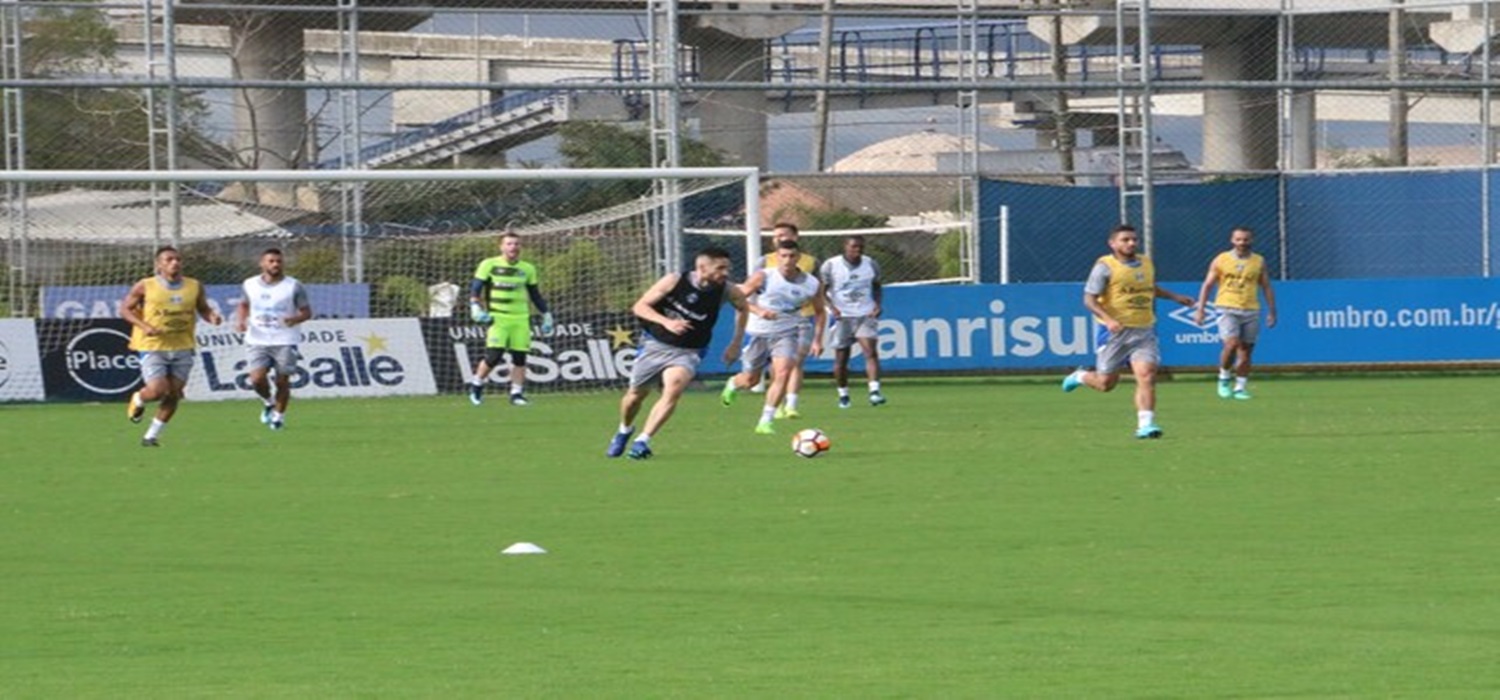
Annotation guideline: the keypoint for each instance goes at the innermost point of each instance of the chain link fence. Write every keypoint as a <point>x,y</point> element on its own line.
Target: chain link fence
<point>1355,137</point>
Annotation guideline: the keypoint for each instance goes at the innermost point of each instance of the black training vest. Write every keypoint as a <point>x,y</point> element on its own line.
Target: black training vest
<point>699,306</point>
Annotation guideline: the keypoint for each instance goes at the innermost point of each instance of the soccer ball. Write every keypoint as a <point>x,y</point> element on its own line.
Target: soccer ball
<point>810,442</point>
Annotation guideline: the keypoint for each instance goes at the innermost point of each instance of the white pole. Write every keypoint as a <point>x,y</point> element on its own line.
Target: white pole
<point>752,223</point>
<point>1004,244</point>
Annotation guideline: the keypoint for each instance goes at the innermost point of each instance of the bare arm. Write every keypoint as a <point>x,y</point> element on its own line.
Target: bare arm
<point>1163,293</point>
<point>1265,285</point>
<point>820,321</point>
<point>741,316</point>
<point>242,315</point>
<point>130,308</point>
<point>1208,283</point>
<point>205,311</point>
<point>645,310</point>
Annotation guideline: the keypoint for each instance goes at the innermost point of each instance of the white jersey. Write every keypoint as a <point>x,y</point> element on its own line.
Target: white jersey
<point>270,305</point>
<point>784,297</point>
<point>851,289</point>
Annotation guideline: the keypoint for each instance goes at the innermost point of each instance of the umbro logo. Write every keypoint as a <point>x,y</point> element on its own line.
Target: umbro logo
<point>1184,314</point>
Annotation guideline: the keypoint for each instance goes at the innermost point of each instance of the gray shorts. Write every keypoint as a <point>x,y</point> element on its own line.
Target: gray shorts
<point>1129,345</point>
<point>1239,323</point>
<point>760,349</point>
<point>846,329</point>
<point>167,363</point>
<point>282,358</point>
<point>655,357</point>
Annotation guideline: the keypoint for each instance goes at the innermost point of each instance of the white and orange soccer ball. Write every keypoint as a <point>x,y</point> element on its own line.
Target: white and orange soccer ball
<point>810,442</point>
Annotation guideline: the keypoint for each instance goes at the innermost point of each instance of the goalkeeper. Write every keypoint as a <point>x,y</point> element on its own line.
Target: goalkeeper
<point>501,294</point>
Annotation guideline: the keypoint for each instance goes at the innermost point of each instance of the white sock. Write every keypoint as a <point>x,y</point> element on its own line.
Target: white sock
<point>478,380</point>
<point>875,386</point>
<point>276,416</point>
<point>515,389</point>
<point>1240,382</point>
<point>1145,418</point>
<point>267,403</point>
<point>791,402</point>
<point>625,429</point>
<point>645,438</point>
<point>843,392</point>
<point>135,400</point>
<point>1224,375</point>
<point>767,413</point>
<point>156,427</point>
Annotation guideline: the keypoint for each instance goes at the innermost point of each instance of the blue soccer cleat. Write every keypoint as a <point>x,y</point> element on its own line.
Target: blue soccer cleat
<point>265,414</point>
<point>843,402</point>
<point>1073,380</point>
<point>476,394</point>
<point>618,442</point>
<point>1150,432</point>
<point>519,400</point>
<point>640,450</point>
<point>1240,395</point>
<point>877,399</point>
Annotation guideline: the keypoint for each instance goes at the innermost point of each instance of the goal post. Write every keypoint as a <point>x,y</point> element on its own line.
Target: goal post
<point>931,252</point>
<point>405,246</point>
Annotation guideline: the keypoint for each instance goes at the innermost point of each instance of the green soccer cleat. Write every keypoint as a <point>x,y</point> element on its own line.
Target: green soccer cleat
<point>1224,390</point>
<point>1241,395</point>
<point>726,396</point>
<point>764,428</point>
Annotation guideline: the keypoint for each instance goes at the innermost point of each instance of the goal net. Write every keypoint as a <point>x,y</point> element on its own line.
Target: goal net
<point>374,244</point>
<point>931,252</point>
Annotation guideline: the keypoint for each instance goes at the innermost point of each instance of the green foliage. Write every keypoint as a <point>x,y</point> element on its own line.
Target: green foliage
<point>399,295</point>
<point>949,255</point>
<point>316,264</point>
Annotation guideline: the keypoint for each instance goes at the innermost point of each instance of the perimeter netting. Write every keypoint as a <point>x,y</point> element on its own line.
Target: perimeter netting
<point>382,248</point>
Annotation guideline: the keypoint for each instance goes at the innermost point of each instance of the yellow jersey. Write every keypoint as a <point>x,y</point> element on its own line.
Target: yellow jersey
<point>173,312</point>
<point>1130,296</point>
<point>1239,280</point>
<point>806,263</point>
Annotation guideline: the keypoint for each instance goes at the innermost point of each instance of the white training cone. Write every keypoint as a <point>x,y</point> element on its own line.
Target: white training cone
<point>523,548</point>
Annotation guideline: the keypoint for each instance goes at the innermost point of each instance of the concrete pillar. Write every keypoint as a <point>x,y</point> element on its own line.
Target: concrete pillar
<point>1239,126</point>
<point>1303,148</point>
<point>732,122</point>
<point>270,123</point>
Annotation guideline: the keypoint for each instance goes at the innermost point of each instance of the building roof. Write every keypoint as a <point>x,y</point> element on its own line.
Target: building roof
<point>913,153</point>
<point>127,216</point>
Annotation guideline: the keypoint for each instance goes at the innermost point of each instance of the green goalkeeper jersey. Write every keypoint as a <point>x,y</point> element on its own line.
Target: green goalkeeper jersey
<point>507,282</point>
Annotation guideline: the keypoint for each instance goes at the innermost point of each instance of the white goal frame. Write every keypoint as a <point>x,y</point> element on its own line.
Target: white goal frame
<point>668,240</point>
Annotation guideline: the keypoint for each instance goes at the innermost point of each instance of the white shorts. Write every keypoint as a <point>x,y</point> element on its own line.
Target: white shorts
<point>1239,323</point>
<point>282,358</point>
<point>846,329</point>
<point>167,363</point>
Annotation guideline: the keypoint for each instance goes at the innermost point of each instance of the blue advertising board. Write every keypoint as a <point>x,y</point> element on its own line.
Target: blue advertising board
<point>328,300</point>
<point>1044,326</point>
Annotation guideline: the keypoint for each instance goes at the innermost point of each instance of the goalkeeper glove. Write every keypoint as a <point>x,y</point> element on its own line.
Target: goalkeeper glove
<point>547,324</point>
<point>478,313</point>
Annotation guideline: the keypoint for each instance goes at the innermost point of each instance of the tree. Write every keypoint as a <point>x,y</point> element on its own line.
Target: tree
<point>90,128</point>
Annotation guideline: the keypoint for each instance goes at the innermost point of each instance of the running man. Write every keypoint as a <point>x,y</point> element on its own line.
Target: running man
<point>852,284</point>
<point>1239,274</point>
<point>806,262</point>
<point>1121,293</point>
<point>777,328</point>
<point>163,311</point>
<point>678,314</point>
<point>274,304</point>
<point>499,296</point>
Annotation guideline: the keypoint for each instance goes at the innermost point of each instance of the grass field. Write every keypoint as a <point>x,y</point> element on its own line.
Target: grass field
<point>974,538</point>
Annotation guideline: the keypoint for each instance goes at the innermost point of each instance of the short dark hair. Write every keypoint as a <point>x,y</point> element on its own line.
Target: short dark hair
<point>273,250</point>
<point>713,252</point>
<point>1122,228</point>
<point>164,250</point>
<point>788,226</point>
<point>854,237</point>
<point>787,244</point>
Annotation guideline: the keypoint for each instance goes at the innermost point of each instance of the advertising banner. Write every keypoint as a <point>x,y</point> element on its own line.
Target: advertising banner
<point>90,360</point>
<point>328,300</point>
<point>340,357</point>
<point>1044,326</point>
<point>595,350</point>
<point>20,367</point>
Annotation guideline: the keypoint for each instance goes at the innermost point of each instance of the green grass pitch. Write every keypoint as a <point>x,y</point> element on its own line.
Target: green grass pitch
<point>974,538</point>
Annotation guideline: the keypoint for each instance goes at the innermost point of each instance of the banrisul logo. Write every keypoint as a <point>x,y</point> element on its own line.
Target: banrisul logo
<point>331,359</point>
<point>100,360</point>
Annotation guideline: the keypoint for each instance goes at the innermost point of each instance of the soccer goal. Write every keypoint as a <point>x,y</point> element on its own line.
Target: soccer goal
<point>380,243</point>
<point>933,252</point>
